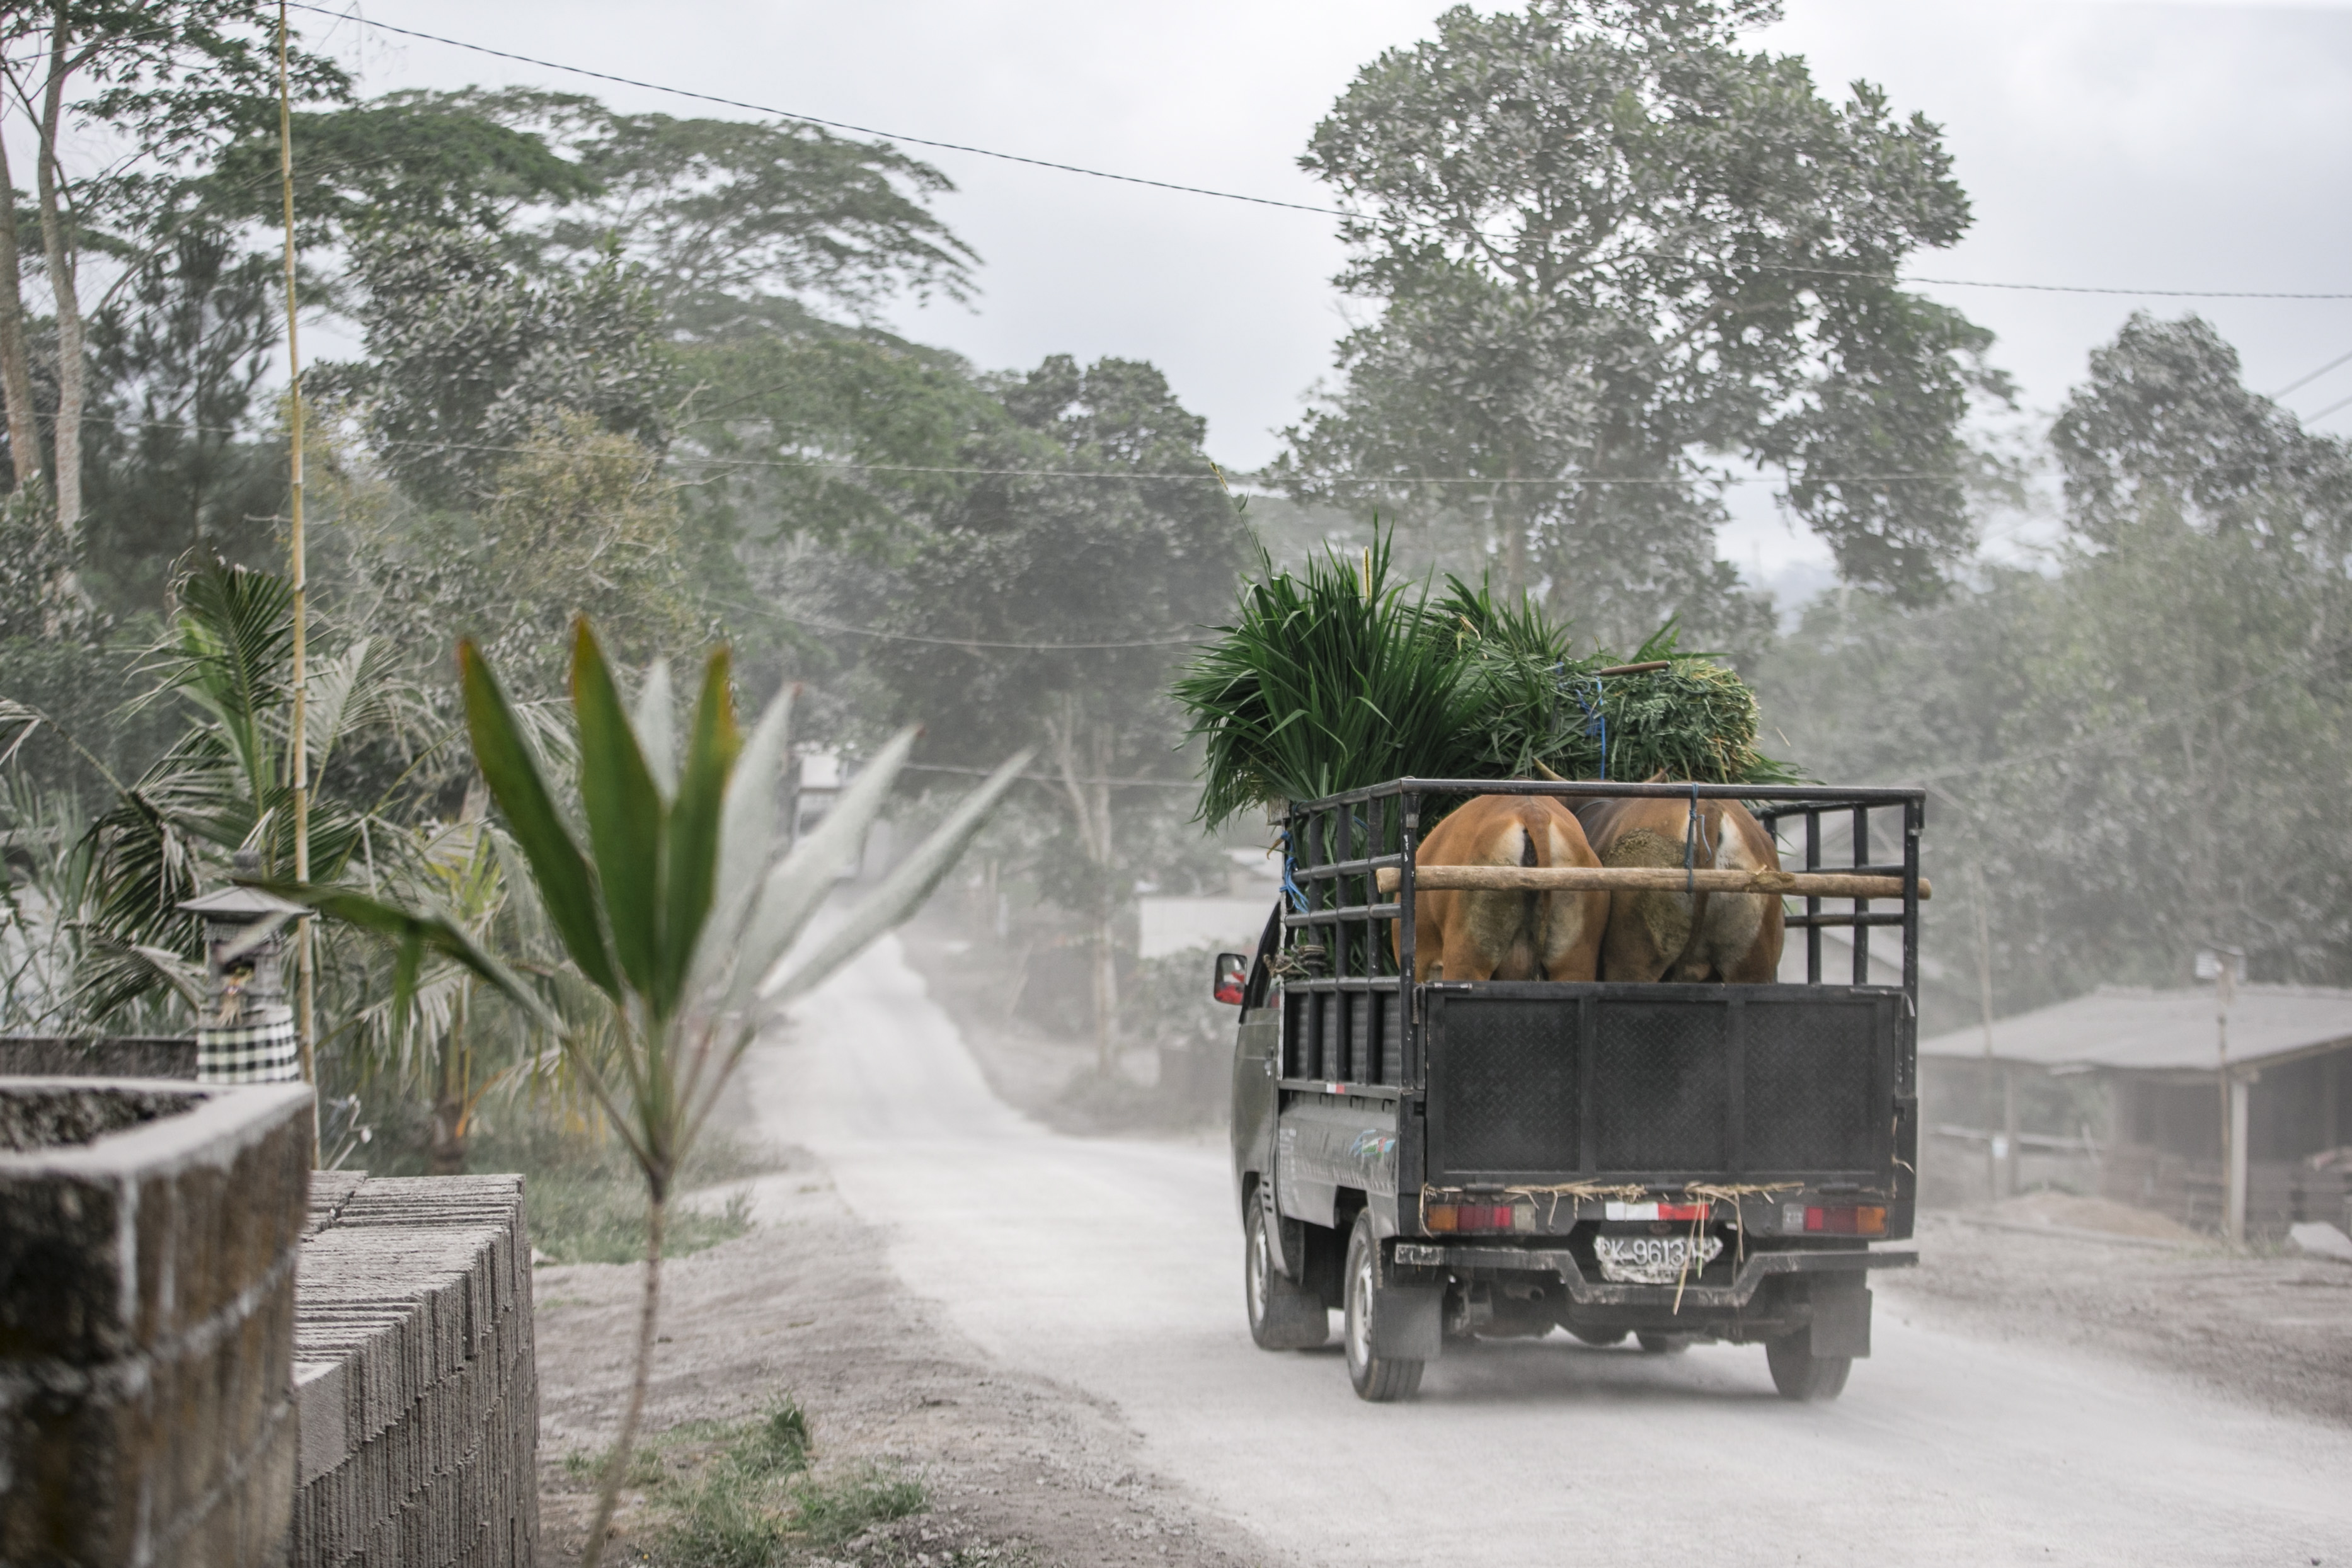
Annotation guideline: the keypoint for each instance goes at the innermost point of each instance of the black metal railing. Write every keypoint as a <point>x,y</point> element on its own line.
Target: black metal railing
<point>1346,949</point>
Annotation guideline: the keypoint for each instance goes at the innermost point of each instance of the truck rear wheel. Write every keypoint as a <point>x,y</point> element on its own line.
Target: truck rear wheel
<point>1282,1313</point>
<point>1378,1378</point>
<point>1800,1375</point>
<point>1663,1343</point>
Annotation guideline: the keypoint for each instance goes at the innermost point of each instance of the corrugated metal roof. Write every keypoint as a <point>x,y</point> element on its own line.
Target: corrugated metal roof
<point>2132,1027</point>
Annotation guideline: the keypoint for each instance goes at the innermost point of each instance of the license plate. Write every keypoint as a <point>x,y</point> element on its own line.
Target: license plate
<point>1653,1260</point>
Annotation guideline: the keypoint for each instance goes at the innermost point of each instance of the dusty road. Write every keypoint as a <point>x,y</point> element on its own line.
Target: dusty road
<point>1114,1265</point>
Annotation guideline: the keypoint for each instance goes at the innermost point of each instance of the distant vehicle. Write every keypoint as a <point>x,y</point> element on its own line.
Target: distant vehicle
<point>1672,1161</point>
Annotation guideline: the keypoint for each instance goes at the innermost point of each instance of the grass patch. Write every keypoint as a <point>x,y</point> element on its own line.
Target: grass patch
<point>587,1199</point>
<point>585,1196</point>
<point>743,1495</point>
<point>596,1216</point>
<point>829,1512</point>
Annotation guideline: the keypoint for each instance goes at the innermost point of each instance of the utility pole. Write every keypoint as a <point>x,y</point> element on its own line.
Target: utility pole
<point>2224,966</point>
<point>297,754</point>
<point>1992,1070</point>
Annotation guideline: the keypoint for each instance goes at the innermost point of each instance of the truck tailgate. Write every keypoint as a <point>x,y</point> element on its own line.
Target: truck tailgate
<point>1555,1083</point>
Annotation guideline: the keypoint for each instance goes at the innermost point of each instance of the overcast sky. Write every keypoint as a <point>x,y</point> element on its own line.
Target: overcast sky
<point>2147,146</point>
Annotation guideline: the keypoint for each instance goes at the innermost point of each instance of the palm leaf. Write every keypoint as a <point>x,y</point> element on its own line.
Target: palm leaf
<point>567,886</point>
<point>626,815</point>
<point>655,723</point>
<point>797,884</point>
<point>695,826</point>
<point>414,932</point>
<point>906,886</point>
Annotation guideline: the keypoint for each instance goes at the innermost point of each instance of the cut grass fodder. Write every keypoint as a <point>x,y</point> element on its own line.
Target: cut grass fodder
<point>748,1494</point>
<point>1337,678</point>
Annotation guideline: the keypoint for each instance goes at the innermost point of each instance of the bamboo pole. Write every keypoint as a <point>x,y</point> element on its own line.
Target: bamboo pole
<point>1646,879</point>
<point>299,760</point>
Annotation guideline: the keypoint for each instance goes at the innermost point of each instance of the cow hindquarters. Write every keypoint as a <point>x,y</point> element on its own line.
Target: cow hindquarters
<point>1739,935</point>
<point>1569,927</point>
<point>1647,930</point>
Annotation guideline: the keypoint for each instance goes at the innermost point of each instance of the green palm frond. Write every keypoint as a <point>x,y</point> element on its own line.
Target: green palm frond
<point>1336,678</point>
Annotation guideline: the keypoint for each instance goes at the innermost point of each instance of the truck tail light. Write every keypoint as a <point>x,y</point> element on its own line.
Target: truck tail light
<point>1863,1220</point>
<point>1460,1217</point>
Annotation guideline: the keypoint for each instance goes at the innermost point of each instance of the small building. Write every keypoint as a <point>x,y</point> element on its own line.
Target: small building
<point>2196,1128</point>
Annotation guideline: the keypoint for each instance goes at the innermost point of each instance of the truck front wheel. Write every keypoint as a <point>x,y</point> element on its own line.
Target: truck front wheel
<point>1800,1375</point>
<point>1378,1378</point>
<point>1282,1313</point>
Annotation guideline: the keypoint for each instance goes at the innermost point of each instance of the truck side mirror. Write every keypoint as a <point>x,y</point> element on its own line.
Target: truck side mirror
<point>1233,978</point>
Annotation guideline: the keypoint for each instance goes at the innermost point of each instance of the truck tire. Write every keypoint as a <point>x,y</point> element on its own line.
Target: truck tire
<point>1282,1313</point>
<point>1378,1378</point>
<point>1663,1343</point>
<point>1800,1375</point>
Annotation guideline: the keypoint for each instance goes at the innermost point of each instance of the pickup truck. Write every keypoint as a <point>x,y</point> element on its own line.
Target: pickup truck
<point>1677,1163</point>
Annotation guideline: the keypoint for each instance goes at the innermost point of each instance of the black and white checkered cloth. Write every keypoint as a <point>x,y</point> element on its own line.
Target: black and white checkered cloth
<point>263,1051</point>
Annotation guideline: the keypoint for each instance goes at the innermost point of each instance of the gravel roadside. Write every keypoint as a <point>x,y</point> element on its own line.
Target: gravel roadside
<point>2275,1330</point>
<point>1019,1470</point>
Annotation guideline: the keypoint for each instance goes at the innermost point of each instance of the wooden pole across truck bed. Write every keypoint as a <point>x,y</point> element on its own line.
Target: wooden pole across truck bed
<point>1661,878</point>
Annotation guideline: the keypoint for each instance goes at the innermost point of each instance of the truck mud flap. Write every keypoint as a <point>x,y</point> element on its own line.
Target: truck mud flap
<point>1409,1322</point>
<point>1841,1304</point>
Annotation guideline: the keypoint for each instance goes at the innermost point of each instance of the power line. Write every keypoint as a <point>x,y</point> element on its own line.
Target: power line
<point>2048,287</point>
<point>1130,475</point>
<point>1921,475</point>
<point>2301,381</point>
<point>1236,195</point>
<point>818,119</point>
<point>1216,477</point>
<point>1054,778</point>
<point>2124,732</point>
<point>2323,412</point>
<point>816,624</point>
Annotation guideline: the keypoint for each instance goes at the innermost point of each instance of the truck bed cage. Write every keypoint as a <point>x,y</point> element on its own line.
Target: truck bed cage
<point>1347,1026</point>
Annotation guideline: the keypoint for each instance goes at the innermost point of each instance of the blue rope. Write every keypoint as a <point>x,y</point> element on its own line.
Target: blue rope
<point>1596,717</point>
<point>1290,887</point>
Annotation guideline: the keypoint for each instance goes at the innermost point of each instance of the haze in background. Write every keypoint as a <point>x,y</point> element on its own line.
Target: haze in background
<point>2164,146</point>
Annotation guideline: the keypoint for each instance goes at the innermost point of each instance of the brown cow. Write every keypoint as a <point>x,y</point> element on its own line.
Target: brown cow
<point>1728,936</point>
<point>1462,935</point>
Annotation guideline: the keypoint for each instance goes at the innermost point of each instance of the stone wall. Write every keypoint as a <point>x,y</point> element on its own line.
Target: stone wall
<point>104,1056</point>
<point>148,1237</point>
<point>413,1371</point>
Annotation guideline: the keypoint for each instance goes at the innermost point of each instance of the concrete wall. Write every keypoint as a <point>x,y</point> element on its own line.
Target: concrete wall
<point>414,1374</point>
<point>108,1056</point>
<point>148,1237</point>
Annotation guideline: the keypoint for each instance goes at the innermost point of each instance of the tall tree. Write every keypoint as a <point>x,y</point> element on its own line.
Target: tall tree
<point>744,223</point>
<point>468,355</point>
<point>173,463</point>
<point>176,79</point>
<point>1606,241</point>
<point>2124,748</point>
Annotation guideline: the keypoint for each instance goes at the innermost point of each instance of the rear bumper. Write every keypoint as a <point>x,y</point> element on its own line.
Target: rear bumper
<point>1416,1257</point>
